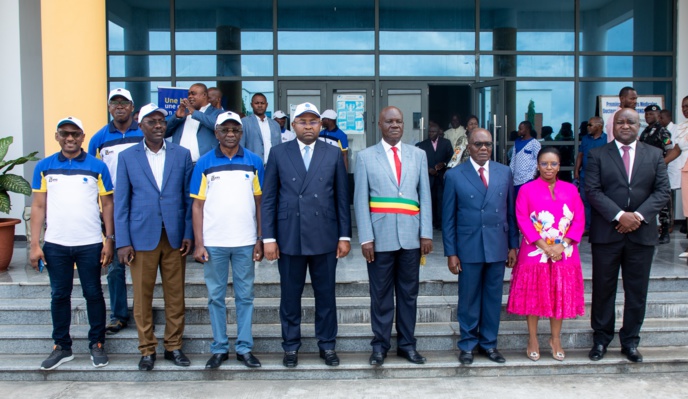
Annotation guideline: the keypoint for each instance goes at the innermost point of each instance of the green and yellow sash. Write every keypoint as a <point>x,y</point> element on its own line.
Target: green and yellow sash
<point>394,205</point>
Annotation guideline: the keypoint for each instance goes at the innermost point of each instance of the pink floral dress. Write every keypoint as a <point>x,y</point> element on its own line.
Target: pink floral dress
<point>539,286</point>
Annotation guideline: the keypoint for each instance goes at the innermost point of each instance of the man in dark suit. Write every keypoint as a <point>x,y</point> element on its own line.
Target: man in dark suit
<point>627,185</point>
<point>306,224</point>
<point>193,125</point>
<point>480,237</point>
<point>439,152</point>
<point>153,228</point>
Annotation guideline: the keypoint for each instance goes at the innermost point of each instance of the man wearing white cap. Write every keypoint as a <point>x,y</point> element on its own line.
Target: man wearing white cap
<point>306,224</point>
<point>66,188</point>
<point>226,187</point>
<point>118,135</point>
<point>281,119</point>
<point>153,229</point>
<point>332,134</point>
<point>193,125</point>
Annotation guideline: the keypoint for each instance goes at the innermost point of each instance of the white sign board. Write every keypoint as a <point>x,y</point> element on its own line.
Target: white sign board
<point>609,104</point>
<point>350,109</point>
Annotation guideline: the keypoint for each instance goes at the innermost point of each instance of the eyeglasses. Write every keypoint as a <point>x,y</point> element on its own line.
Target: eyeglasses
<point>123,103</point>
<point>480,144</point>
<point>155,123</point>
<point>226,130</point>
<point>310,123</point>
<point>550,164</point>
<point>75,134</point>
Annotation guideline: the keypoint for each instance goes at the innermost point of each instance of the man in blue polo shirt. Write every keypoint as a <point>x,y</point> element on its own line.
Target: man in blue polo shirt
<point>332,134</point>
<point>226,187</point>
<point>118,135</point>
<point>66,188</point>
<point>595,138</point>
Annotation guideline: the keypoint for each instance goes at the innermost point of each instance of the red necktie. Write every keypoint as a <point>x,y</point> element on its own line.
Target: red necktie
<point>397,164</point>
<point>482,175</point>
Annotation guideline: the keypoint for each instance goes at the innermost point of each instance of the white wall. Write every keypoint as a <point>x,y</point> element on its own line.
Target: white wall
<point>10,81</point>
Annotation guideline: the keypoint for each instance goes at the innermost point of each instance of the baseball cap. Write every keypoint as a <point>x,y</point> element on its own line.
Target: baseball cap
<point>653,107</point>
<point>227,116</point>
<point>306,107</point>
<point>70,120</point>
<point>329,114</point>
<point>120,92</point>
<point>279,115</point>
<point>149,109</point>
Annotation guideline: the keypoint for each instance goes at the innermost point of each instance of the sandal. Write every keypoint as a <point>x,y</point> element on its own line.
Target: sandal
<point>560,356</point>
<point>533,355</point>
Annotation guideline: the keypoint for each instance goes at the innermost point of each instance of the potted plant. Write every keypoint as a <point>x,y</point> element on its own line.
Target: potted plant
<point>10,182</point>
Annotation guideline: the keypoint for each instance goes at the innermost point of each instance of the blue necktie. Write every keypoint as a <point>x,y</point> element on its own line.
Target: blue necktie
<point>307,157</point>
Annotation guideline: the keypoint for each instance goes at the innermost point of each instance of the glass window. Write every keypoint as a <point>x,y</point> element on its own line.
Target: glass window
<point>138,25</point>
<point>610,25</point>
<point>437,25</point>
<point>326,65</point>
<point>326,25</point>
<point>526,65</point>
<point>427,65</point>
<point>553,103</point>
<point>224,65</point>
<point>527,26</point>
<point>626,66</point>
<point>249,88</point>
<point>142,92</point>
<point>223,25</point>
<point>121,66</point>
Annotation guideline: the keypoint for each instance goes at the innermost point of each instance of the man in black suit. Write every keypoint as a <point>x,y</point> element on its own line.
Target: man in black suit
<point>627,185</point>
<point>439,152</point>
<point>306,224</point>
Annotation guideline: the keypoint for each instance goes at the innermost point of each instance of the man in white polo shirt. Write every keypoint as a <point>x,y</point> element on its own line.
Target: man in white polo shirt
<point>226,189</point>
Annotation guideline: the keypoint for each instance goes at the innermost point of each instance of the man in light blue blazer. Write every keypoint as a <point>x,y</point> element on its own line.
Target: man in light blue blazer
<point>154,229</point>
<point>394,217</point>
<point>480,238</point>
<point>260,132</point>
<point>193,125</point>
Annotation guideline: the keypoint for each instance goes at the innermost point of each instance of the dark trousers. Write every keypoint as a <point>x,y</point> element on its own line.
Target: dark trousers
<point>60,264</point>
<point>436,193</point>
<point>117,286</point>
<point>480,304</point>
<point>390,272</point>
<point>635,261</point>
<point>322,269</point>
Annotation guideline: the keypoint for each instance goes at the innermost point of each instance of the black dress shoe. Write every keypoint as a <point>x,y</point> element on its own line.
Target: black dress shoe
<point>249,360</point>
<point>178,357</point>
<point>291,359</point>
<point>466,357</point>
<point>377,358</point>
<point>412,356</point>
<point>597,352</point>
<point>493,354</point>
<point>330,356</point>
<point>216,360</point>
<point>632,353</point>
<point>147,362</point>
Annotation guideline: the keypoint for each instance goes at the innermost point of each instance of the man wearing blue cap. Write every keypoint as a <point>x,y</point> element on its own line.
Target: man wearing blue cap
<point>306,224</point>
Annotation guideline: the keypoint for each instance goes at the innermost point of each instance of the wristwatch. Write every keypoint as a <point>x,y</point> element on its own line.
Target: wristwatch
<point>110,237</point>
<point>565,244</point>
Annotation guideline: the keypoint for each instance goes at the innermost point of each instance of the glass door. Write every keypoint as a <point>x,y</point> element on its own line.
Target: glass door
<point>412,99</point>
<point>488,106</point>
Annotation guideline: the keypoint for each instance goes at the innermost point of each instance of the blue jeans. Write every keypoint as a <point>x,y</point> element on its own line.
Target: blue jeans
<point>586,204</point>
<point>216,272</point>
<point>117,286</point>
<point>60,264</point>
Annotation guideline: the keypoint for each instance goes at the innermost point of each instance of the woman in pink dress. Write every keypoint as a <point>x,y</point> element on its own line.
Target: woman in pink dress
<point>547,280</point>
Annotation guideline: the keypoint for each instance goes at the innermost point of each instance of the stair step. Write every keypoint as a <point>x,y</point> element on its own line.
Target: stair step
<point>349,309</point>
<point>35,339</point>
<point>354,365</point>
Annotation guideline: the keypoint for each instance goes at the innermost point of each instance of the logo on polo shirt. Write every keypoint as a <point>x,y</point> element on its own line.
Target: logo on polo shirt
<point>214,177</point>
<point>85,181</point>
<point>52,179</point>
<point>246,176</point>
<point>108,152</point>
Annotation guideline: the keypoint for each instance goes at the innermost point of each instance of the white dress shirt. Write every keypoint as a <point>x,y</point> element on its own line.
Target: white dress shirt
<point>156,160</point>
<point>631,156</point>
<point>265,134</point>
<point>486,172</point>
<point>189,139</point>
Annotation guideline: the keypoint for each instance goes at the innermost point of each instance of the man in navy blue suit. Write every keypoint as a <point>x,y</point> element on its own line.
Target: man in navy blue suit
<point>480,237</point>
<point>306,224</point>
<point>153,229</point>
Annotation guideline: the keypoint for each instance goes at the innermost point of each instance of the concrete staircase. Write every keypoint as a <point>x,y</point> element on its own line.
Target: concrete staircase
<point>25,329</point>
